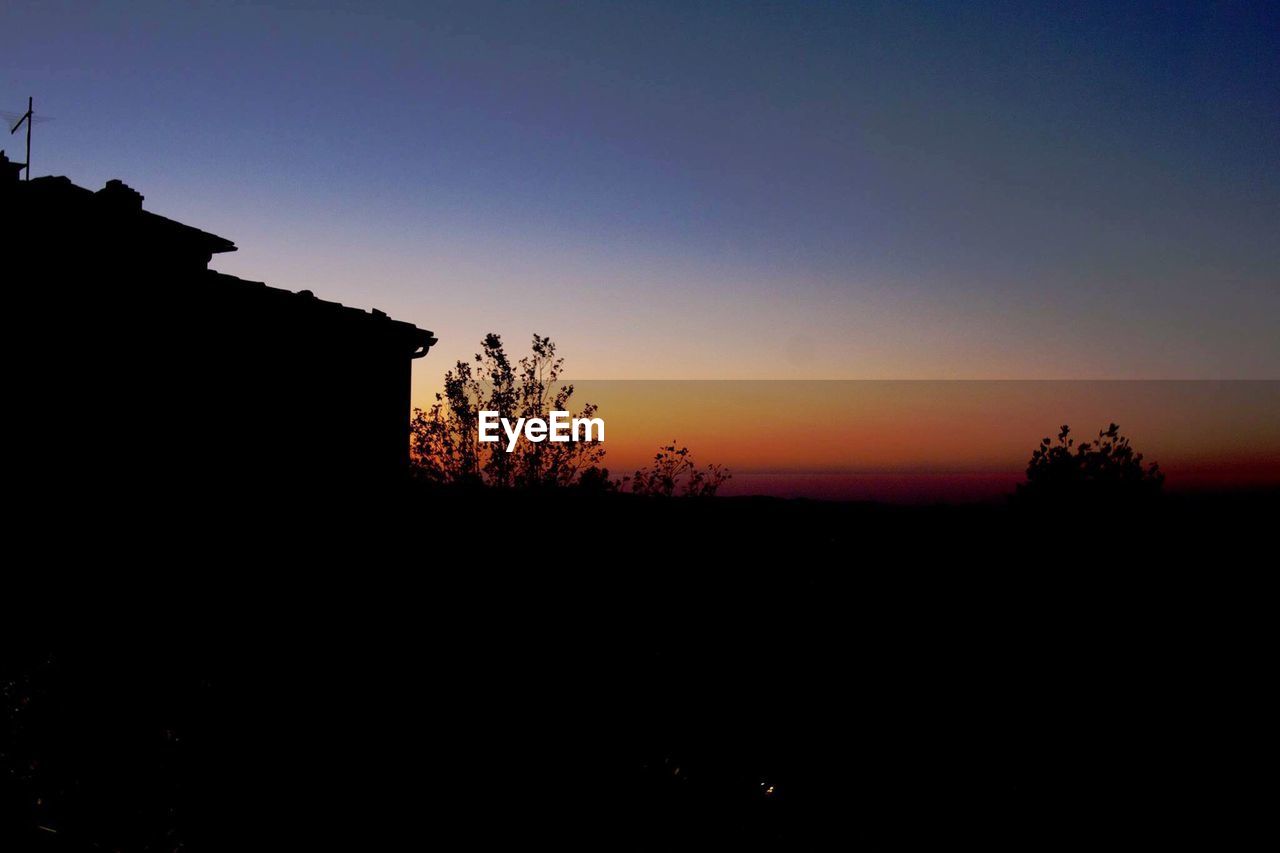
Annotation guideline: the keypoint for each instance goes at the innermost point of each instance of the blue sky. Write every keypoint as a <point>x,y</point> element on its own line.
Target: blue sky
<point>710,189</point>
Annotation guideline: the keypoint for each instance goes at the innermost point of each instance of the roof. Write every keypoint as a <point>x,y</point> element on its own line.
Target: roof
<point>116,199</point>
<point>83,227</point>
<point>372,320</point>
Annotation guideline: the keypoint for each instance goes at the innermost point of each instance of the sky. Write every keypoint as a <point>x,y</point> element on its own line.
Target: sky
<point>927,441</point>
<point>709,190</point>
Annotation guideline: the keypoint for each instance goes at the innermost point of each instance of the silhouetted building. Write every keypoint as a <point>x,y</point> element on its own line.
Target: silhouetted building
<point>136,369</point>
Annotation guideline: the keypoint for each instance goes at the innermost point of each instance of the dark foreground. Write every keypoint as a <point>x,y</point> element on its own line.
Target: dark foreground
<point>469,671</point>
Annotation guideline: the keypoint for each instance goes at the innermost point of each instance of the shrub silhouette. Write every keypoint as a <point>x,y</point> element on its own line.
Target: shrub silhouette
<point>1108,469</point>
<point>674,472</point>
<point>446,446</point>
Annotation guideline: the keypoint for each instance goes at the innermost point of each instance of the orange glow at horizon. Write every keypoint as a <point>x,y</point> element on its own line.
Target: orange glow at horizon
<point>955,438</point>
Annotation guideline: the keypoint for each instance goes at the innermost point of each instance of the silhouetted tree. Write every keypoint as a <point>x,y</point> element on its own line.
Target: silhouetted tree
<point>445,438</point>
<point>674,472</point>
<point>1107,469</point>
<point>446,446</point>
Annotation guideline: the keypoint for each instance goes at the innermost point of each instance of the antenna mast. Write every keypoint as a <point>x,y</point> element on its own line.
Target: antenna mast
<point>27,118</point>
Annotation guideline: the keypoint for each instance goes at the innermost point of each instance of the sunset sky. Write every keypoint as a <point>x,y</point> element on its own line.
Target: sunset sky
<point>936,440</point>
<point>709,190</point>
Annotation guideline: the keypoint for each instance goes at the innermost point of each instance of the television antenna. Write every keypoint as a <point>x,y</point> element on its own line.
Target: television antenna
<point>16,120</point>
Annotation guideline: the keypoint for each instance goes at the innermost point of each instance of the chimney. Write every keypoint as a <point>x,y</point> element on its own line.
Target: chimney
<point>120,195</point>
<point>9,170</point>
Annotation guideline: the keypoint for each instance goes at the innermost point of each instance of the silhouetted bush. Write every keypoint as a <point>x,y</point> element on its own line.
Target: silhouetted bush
<point>1106,470</point>
<point>674,472</point>
<point>595,480</point>
<point>445,438</point>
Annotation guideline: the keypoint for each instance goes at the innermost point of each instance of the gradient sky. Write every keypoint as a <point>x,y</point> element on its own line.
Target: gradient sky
<point>920,440</point>
<point>712,190</point>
